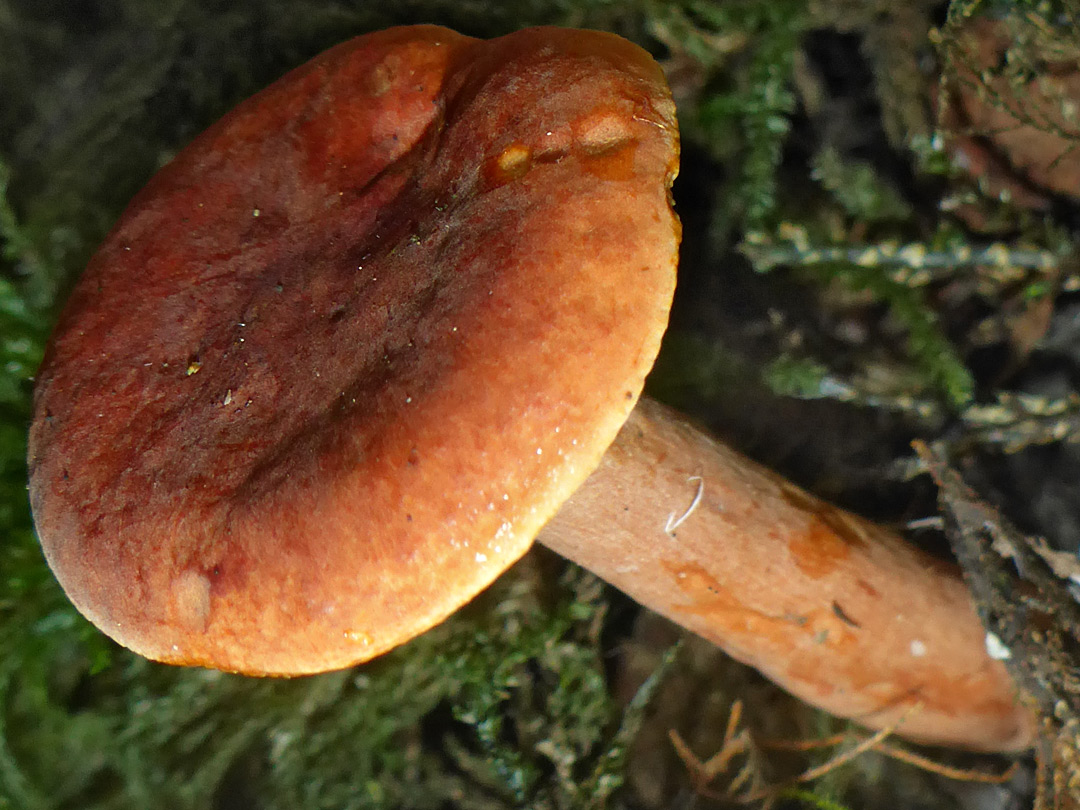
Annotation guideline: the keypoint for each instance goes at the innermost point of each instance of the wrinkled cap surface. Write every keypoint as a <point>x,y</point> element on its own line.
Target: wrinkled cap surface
<point>345,355</point>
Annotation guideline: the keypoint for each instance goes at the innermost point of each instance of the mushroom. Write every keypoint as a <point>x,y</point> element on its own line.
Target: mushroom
<point>345,356</point>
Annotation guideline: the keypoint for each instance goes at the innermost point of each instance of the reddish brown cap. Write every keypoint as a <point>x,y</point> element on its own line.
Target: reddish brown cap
<point>345,355</point>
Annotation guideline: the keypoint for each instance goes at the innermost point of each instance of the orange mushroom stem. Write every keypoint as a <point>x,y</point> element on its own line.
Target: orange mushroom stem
<point>835,609</point>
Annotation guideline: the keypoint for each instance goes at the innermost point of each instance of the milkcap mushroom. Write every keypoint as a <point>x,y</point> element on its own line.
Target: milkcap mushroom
<point>346,355</point>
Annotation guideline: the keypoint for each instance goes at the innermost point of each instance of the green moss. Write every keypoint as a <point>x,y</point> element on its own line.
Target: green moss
<point>858,188</point>
<point>808,798</point>
<point>746,53</point>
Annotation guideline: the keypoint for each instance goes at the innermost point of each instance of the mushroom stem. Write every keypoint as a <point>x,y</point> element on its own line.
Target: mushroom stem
<point>835,609</point>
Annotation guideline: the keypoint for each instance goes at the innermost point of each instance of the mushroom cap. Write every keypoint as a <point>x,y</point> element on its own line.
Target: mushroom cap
<point>346,354</point>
